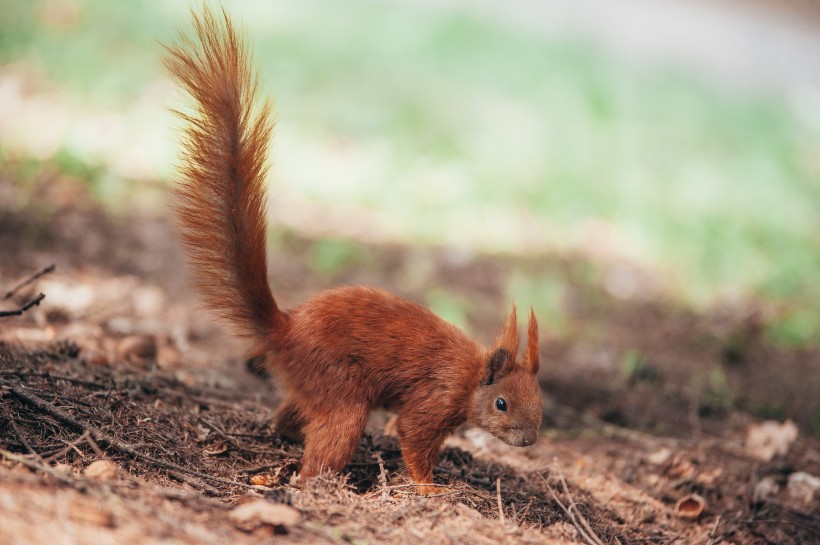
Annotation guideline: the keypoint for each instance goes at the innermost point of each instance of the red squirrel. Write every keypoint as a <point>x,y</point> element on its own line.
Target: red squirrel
<point>346,350</point>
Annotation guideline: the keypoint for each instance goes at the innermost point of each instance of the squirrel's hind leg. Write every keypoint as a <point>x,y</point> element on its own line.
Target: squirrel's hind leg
<point>331,438</point>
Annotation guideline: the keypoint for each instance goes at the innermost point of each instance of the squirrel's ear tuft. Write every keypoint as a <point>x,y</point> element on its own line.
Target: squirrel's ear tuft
<point>502,359</point>
<point>532,361</point>
<point>508,339</point>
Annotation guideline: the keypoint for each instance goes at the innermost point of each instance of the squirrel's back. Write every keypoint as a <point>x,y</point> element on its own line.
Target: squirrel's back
<point>381,336</point>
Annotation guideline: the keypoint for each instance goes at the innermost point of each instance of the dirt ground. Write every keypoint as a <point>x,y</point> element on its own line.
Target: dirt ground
<point>118,364</point>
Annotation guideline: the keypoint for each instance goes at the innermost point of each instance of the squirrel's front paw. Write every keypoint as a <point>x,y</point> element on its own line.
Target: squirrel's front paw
<point>430,490</point>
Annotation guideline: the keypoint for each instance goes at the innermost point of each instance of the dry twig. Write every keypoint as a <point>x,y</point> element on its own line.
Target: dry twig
<point>17,312</point>
<point>9,294</point>
<point>25,441</point>
<point>713,533</point>
<point>498,498</point>
<point>382,474</point>
<point>36,465</point>
<point>575,516</point>
<point>413,485</point>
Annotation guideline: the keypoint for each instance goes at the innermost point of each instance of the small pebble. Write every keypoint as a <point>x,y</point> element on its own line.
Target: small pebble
<point>256,512</point>
<point>765,488</point>
<point>63,468</point>
<point>803,486</point>
<point>101,470</point>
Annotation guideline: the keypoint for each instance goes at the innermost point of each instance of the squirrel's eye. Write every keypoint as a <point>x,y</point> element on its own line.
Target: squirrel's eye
<point>501,405</point>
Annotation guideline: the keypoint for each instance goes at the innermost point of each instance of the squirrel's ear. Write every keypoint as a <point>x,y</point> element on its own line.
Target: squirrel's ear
<point>499,364</point>
<point>532,361</point>
<point>508,339</point>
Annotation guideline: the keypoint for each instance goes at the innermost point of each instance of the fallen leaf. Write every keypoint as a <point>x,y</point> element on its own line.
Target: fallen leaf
<point>709,478</point>
<point>264,479</point>
<point>681,468</point>
<point>220,447</point>
<point>137,349</point>
<point>391,428</point>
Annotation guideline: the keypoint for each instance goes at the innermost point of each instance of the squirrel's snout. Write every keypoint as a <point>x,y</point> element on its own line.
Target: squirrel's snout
<point>520,437</point>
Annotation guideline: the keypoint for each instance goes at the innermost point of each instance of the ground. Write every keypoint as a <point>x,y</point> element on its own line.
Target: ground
<point>119,363</point>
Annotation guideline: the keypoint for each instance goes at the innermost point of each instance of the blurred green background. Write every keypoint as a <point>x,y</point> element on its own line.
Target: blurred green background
<point>406,122</point>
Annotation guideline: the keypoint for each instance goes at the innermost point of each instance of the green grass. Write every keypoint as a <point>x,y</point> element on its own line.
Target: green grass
<point>455,127</point>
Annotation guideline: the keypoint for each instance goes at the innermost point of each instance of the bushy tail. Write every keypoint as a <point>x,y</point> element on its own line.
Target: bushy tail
<point>220,198</point>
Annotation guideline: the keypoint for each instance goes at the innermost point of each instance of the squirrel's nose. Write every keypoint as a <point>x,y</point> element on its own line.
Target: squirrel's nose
<point>530,437</point>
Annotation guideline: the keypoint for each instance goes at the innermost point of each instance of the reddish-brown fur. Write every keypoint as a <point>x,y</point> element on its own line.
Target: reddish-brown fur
<point>346,350</point>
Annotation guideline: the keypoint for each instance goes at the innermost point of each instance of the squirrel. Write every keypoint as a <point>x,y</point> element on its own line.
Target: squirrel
<point>346,350</point>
